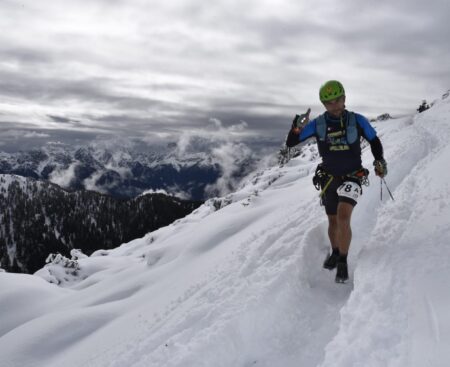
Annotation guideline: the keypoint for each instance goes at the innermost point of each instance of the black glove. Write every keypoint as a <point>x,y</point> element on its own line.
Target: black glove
<point>380,167</point>
<point>301,120</point>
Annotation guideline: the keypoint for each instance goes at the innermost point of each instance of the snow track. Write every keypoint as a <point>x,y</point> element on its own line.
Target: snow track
<point>402,266</point>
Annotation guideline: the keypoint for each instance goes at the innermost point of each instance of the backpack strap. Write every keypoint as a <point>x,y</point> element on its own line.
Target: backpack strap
<point>321,127</point>
<point>352,129</point>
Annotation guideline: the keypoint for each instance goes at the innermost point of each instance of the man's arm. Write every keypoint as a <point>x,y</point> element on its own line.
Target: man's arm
<point>376,147</point>
<point>369,133</point>
<point>292,138</point>
<point>297,135</point>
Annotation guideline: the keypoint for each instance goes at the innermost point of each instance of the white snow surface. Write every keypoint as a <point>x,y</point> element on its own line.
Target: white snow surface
<point>244,286</point>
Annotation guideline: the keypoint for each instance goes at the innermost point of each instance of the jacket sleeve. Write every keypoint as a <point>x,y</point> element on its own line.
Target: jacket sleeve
<point>369,133</point>
<point>292,139</point>
<point>308,131</point>
<point>376,148</point>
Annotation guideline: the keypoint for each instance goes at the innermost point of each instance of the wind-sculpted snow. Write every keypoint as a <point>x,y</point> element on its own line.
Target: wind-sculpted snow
<point>239,282</point>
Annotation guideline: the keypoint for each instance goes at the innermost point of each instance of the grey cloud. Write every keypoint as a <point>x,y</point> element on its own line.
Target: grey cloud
<point>63,120</point>
<point>95,90</point>
<point>24,55</point>
<point>13,139</point>
<point>42,88</point>
<point>179,64</point>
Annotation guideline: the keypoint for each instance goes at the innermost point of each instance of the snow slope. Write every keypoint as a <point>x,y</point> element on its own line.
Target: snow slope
<point>244,285</point>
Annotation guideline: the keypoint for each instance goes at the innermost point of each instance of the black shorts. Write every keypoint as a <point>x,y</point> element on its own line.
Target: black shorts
<point>330,198</point>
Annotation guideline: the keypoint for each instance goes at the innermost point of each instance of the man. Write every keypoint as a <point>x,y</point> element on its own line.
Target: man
<point>340,175</point>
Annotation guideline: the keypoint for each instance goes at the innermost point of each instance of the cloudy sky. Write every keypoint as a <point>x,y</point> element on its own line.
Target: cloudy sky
<point>73,71</point>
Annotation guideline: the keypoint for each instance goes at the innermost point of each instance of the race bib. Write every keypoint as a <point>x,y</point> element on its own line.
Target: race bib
<point>350,190</point>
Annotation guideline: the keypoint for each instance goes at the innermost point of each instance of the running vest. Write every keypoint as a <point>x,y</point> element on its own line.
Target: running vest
<point>339,144</point>
<point>350,128</point>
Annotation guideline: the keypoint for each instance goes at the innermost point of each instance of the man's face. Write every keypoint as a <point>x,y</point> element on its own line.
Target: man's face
<point>335,107</point>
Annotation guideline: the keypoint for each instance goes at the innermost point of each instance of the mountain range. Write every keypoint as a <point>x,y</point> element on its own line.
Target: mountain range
<point>125,173</point>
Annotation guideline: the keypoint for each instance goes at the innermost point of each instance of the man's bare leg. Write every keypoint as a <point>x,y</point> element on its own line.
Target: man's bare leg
<point>333,231</point>
<point>344,214</point>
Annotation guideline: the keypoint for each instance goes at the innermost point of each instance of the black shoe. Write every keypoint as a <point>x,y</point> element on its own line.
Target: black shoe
<point>341,272</point>
<point>331,260</point>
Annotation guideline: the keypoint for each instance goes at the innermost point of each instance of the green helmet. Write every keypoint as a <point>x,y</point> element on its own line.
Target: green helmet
<point>332,89</point>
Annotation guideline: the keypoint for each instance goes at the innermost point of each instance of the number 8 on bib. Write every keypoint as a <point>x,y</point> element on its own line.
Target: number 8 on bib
<point>350,190</point>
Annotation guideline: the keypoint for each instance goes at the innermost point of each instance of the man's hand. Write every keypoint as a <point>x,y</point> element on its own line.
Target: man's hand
<point>296,130</point>
<point>295,125</point>
<point>380,167</point>
<point>300,121</point>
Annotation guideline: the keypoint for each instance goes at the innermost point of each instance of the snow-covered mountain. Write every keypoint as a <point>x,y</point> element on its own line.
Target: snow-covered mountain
<point>38,218</point>
<point>239,282</point>
<point>125,172</point>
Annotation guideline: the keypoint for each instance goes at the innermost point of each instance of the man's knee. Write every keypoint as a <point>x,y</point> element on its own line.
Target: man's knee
<point>344,212</point>
<point>332,220</point>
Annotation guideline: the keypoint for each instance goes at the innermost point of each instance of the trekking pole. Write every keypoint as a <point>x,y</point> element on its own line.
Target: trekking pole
<point>387,187</point>
<point>381,189</point>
